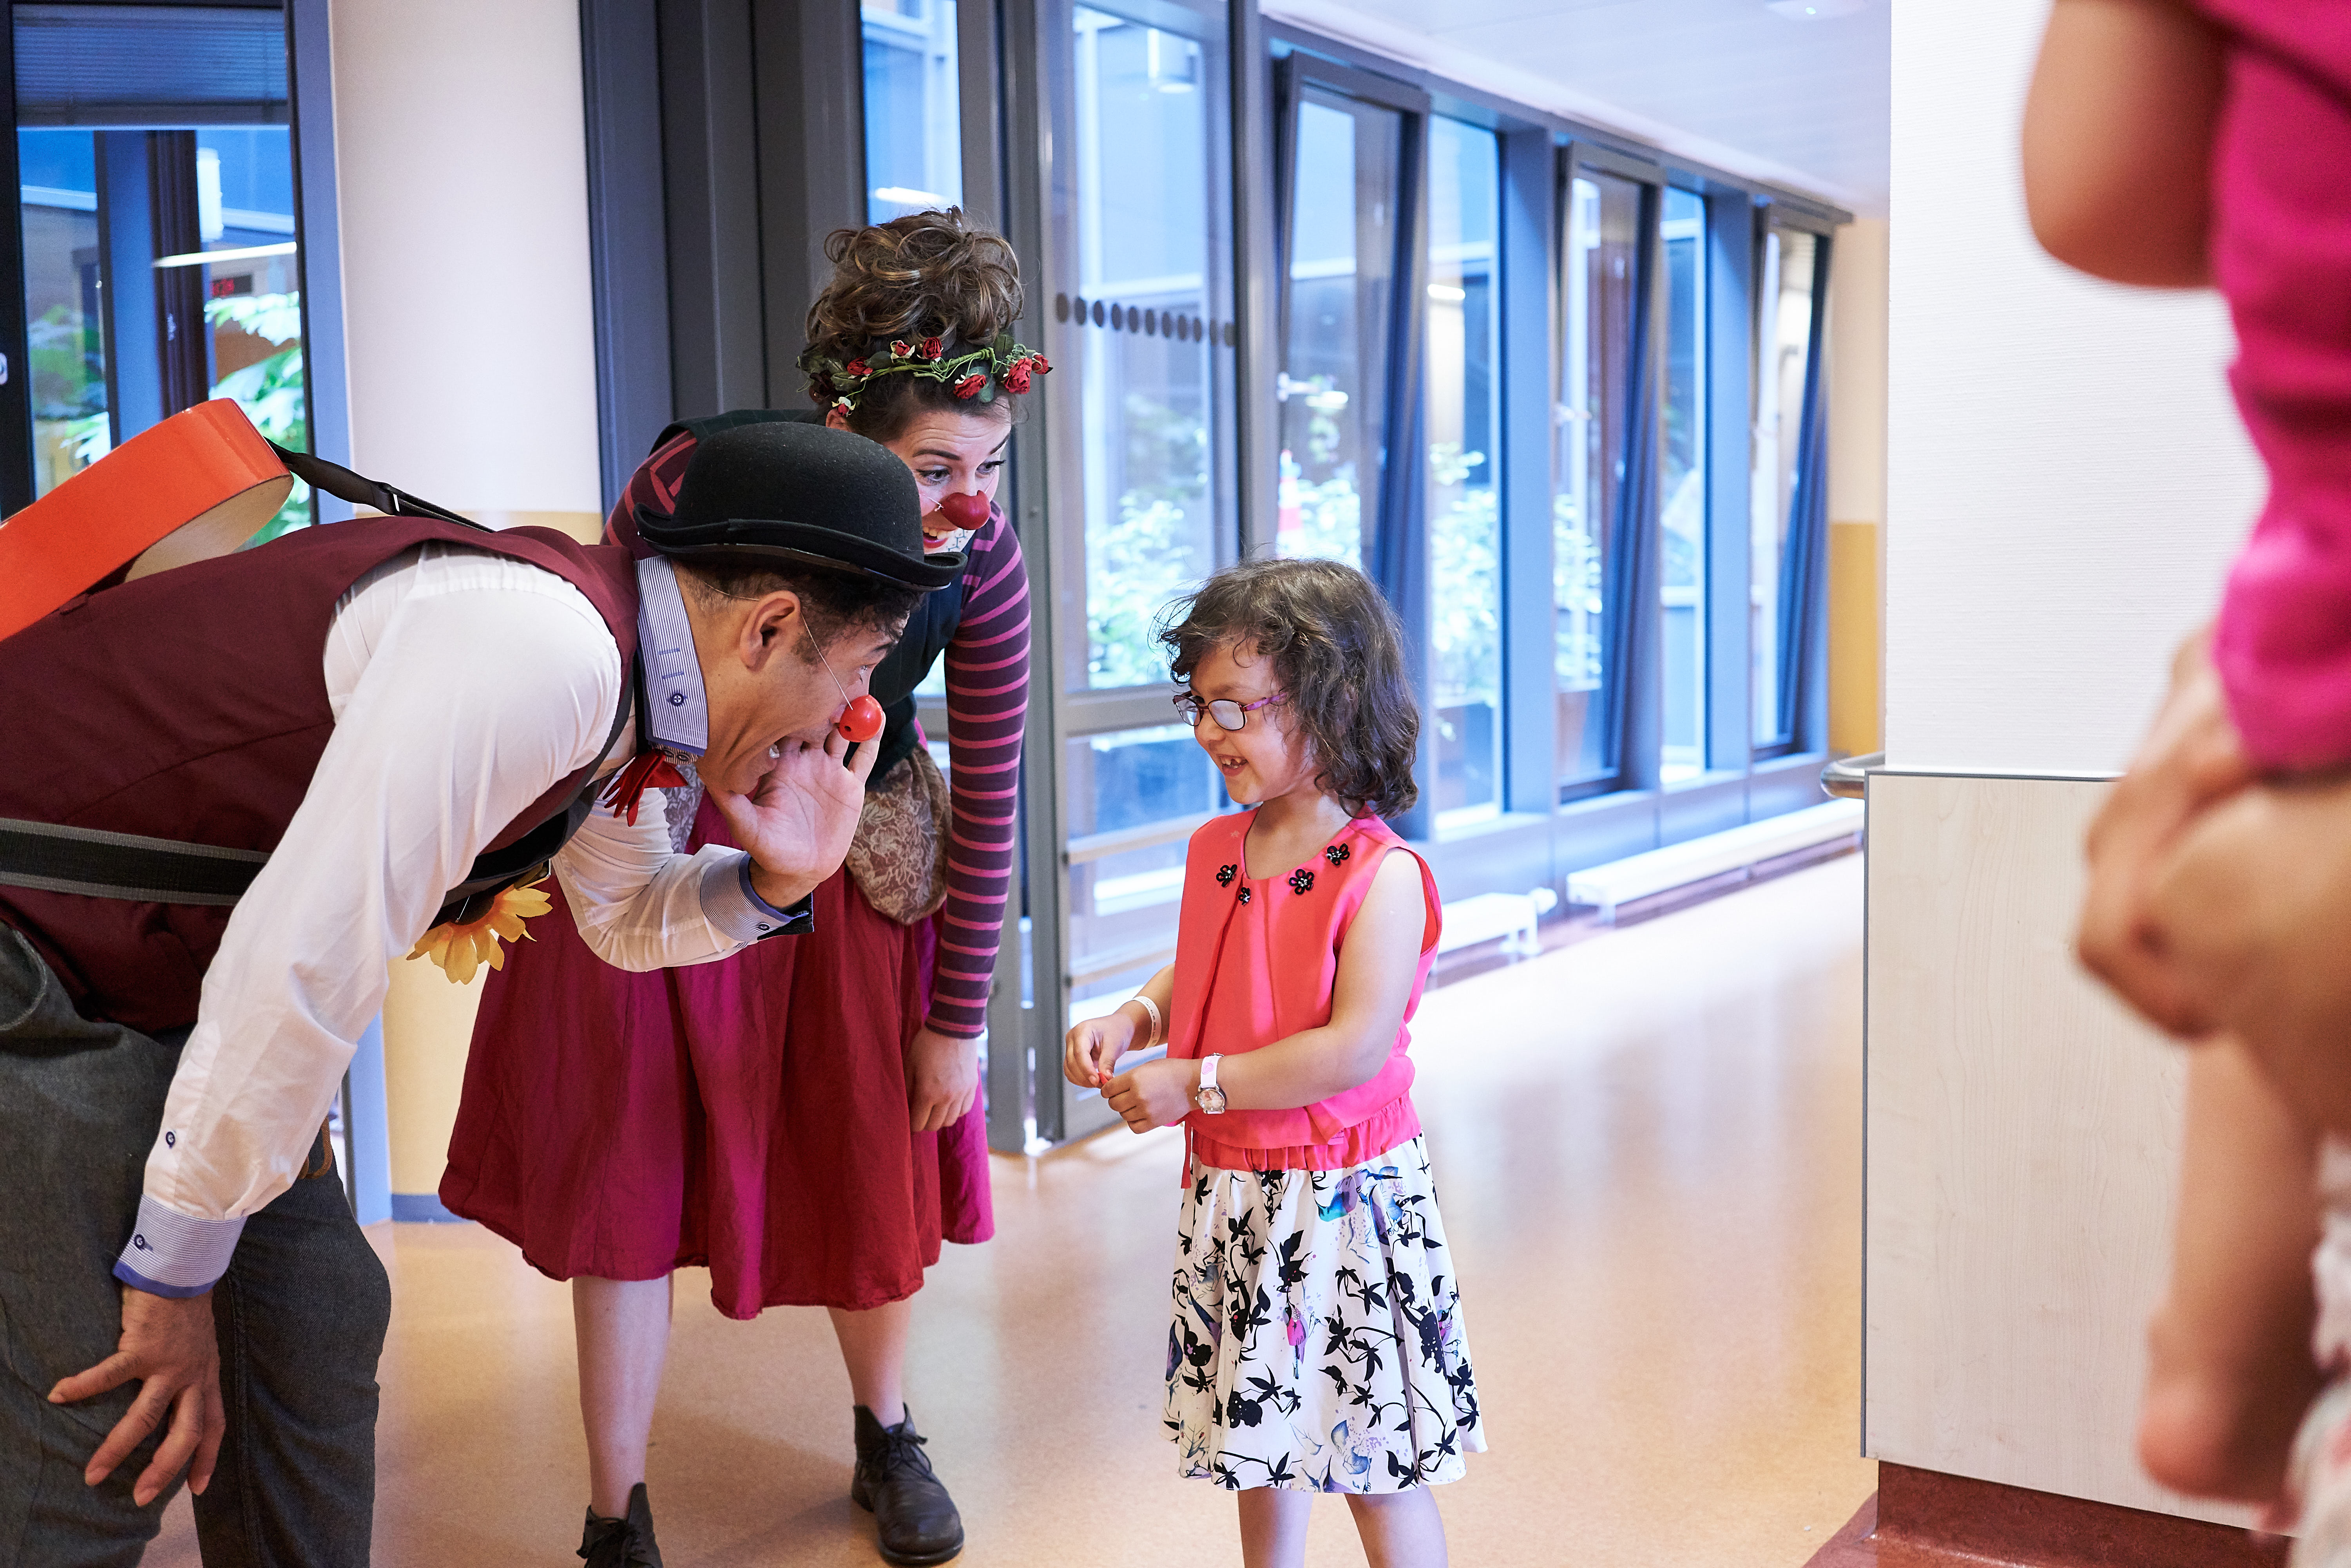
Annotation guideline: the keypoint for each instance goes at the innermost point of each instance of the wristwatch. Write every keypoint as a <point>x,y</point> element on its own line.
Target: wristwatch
<point>1208,1097</point>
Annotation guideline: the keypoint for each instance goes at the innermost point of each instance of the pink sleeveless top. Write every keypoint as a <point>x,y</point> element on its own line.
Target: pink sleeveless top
<point>1256,962</point>
<point>2282,255</point>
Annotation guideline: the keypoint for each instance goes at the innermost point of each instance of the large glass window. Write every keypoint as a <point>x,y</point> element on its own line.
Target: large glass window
<point>157,204</point>
<point>1785,304</point>
<point>1135,797</point>
<point>1333,389</point>
<point>914,129</point>
<point>1600,280</point>
<point>1152,224</point>
<point>1464,457</point>
<point>1682,579</point>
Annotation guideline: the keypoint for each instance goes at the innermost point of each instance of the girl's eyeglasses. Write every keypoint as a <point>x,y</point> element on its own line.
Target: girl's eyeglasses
<point>1229,713</point>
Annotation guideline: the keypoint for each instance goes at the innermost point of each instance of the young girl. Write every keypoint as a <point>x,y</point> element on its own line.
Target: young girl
<point>2176,144</point>
<point>1318,1343</point>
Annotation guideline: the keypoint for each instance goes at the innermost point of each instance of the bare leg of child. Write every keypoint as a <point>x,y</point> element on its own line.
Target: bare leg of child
<point>1400,1528</point>
<point>2229,1370</point>
<point>1273,1527</point>
<point>622,1329</point>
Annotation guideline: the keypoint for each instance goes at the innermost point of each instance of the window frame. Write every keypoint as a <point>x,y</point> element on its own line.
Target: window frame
<point>1633,679</point>
<point>1386,527</point>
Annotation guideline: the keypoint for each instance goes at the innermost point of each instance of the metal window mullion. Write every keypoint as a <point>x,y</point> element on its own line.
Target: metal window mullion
<point>1529,370</point>
<point>979,94</point>
<point>1803,647</point>
<point>808,123</point>
<point>628,258</point>
<point>1260,288</point>
<point>1400,563</point>
<point>1728,350</point>
<point>1023,1086</point>
<point>1636,544</point>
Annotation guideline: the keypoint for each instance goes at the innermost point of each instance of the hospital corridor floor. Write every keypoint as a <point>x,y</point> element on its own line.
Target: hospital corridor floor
<point>1648,1147</point>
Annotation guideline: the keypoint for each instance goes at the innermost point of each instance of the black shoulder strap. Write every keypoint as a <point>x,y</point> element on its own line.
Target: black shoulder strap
<point>96,863</point>
<point>361,491</point>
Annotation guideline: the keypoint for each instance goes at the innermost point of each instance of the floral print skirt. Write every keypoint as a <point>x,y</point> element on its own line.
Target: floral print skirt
<point>1318,1343</point>
<point>2318,1479</point>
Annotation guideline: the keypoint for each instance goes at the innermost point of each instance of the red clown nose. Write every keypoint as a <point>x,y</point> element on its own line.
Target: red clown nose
<point>966,509</point>
<point>861,720</point>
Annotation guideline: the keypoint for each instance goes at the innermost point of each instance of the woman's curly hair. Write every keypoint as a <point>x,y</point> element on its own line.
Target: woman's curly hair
<point>1337,652</point>
<point>927,275</point>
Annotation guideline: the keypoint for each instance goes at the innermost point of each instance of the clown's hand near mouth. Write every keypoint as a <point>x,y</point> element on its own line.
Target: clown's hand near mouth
<point>798,820</point>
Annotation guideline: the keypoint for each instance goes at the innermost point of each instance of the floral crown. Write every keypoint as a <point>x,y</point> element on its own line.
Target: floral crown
<point>968,372</point>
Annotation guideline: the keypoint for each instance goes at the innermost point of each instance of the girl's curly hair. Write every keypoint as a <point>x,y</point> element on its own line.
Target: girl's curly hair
<point>927,275</point>
<point>1338,652</point>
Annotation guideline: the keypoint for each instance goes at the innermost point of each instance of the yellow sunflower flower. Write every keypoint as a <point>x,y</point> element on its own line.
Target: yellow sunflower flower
<point>462,950</point>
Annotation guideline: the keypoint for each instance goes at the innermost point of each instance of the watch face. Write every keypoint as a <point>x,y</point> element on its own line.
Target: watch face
<point>1212,1100</point>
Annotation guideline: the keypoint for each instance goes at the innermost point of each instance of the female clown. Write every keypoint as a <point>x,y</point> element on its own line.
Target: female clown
<point>804,1120</point>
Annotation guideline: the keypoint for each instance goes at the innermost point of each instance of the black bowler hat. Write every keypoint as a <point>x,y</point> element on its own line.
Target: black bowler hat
<point>800,493</point>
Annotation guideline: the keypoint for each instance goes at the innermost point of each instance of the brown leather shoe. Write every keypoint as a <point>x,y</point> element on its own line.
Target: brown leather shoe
<point>915,1523</point>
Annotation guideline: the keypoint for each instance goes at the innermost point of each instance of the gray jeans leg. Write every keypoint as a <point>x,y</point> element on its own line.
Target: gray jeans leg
<point>301,1315</point>
<point>301,1312</point>
<point>80,1103</point>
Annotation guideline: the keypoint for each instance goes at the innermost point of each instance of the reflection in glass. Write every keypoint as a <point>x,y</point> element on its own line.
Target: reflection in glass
<point>913,124</point>
<point>1150,220</point>
<point>160,259</point>
<point>63,307</point>
<point>1682,590</point>
<point>1332,390</point>
<point>1464,409</point>
<point>1784,322</point>
<point>1601,271</point>
<point>1134,796</point>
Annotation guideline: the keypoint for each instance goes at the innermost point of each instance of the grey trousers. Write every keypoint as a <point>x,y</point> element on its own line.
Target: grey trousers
<point>301,1315</point>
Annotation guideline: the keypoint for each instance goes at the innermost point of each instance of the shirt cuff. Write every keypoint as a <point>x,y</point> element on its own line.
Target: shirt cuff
<point>174,1254</point>
<point>740,915</point>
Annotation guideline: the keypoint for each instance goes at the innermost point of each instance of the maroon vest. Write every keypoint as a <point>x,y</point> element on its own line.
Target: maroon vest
<point>191,705</point>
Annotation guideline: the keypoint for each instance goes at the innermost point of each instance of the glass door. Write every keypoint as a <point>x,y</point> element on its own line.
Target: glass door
<point>161,241</point>
<point>1142,503</point>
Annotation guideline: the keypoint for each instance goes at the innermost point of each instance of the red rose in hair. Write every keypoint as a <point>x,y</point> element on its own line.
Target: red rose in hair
<point>859,367</point>
<point>901,351</point>
<point>1016,378</point>
<point>969,386</point>
<point>1039,361</point>
<point>933,348</point>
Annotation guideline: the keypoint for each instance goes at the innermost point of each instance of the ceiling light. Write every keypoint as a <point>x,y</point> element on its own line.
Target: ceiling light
<point>1813,10</point>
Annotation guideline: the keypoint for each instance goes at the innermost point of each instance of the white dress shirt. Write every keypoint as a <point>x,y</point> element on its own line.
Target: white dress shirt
<point>464,686</point>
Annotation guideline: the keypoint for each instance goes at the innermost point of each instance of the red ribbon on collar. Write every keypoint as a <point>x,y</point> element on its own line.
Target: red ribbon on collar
<point>646,770</point>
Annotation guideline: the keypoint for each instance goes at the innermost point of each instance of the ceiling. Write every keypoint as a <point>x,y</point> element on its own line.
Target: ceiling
<point>1727,82</point>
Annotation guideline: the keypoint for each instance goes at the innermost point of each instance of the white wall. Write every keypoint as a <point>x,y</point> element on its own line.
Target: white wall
<point>2066,474</point>
<point>462,158</point>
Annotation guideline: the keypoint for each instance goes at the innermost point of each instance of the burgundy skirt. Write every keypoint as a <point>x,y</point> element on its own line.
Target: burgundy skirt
<point>749,1115</point>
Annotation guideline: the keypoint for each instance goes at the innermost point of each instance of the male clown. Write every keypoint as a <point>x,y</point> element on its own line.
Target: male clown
<point>398,712</point>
